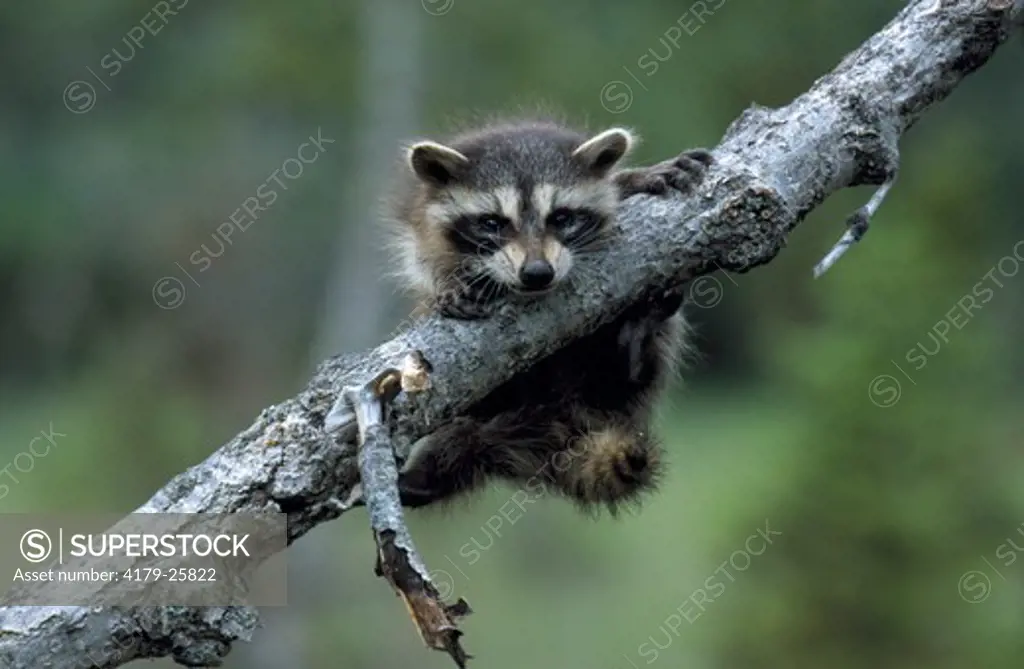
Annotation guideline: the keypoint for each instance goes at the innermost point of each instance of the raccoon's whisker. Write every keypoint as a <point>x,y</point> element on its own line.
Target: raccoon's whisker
<point>592,246</point>
<point>475,279</point>
<point>581,275</point>
<point>478,282</point>
<point>484,286</point>
<point>593,240</point>
<point>469,239</point>
<point>587,252</point>
<point>492,287</point>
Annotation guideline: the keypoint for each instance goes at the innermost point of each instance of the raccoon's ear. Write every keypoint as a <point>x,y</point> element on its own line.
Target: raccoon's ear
<point>435,163</point>
<point>601,152</point>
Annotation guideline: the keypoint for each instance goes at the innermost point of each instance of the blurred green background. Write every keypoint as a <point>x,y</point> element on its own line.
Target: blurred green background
<point>871,418</point>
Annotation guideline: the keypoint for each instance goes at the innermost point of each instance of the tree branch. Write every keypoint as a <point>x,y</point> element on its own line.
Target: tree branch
<point>772,167</point>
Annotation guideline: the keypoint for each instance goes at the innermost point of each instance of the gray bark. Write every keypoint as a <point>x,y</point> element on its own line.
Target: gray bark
<point>773,167</point>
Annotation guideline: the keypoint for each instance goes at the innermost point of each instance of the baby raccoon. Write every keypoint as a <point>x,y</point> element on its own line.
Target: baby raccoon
<point>506,212</point>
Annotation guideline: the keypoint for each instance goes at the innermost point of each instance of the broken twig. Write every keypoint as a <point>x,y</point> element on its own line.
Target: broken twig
<point>856,226</point>
<point>397,558</point>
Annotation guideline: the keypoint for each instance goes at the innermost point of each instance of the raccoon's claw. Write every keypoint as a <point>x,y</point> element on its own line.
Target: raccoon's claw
<point>634,463</point>
<point>415,498</point>
<point>681,173</point>
<point>454,305</point>
<point>410,496</point>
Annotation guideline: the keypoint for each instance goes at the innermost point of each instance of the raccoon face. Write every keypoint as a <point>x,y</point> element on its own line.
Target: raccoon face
<point>515,205</point>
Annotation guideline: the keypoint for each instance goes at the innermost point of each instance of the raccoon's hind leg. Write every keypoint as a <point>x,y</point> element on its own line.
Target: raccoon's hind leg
<point>609,464</point>
<point>596,460</point>
<point>442,464</point>
<point>468,452</point>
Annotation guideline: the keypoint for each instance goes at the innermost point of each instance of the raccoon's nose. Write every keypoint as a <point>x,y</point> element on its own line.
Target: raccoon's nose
<point>536,274</point>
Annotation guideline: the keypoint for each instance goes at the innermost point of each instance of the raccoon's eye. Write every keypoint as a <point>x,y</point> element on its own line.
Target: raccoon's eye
<point>561,218</point>
<point>491,222</point>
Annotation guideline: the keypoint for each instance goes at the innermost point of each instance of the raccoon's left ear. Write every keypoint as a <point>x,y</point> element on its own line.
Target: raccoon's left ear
<point>601,152</point>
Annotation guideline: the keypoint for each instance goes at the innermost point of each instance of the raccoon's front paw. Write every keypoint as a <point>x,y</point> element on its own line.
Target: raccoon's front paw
<point>463,307</point>
<point>682,173</point>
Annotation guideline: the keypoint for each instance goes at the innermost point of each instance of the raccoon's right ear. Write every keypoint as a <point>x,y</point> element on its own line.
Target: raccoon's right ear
<point>600,153</point>
<point>435,163</point>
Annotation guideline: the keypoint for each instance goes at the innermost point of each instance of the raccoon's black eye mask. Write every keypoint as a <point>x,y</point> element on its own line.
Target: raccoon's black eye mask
<point>478,234</point>
<point>574,225</point>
